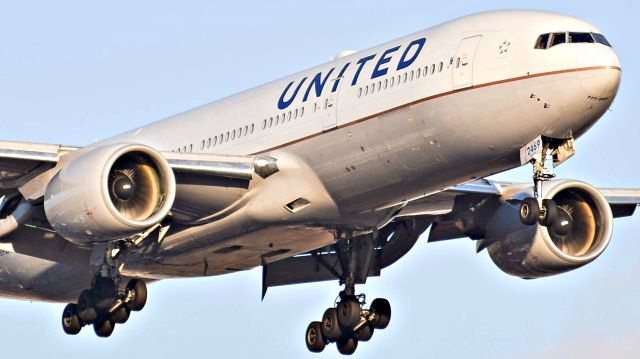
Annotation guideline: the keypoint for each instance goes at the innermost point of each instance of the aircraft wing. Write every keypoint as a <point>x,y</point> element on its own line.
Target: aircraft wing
<point>21,162</point>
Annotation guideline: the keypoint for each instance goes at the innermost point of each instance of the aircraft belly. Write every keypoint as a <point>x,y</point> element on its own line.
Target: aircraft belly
<point>30,278</point>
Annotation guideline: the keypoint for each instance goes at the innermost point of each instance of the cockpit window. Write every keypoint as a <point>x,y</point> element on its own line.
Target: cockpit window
<point>542,42</point>
<point>601,39</point>
<point>558,38</point>
<point>549,40</point>
<point>576,37</point>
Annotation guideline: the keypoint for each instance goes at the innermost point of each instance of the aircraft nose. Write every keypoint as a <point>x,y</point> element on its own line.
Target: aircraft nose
<point>603,79</point>
<point>601,82</point>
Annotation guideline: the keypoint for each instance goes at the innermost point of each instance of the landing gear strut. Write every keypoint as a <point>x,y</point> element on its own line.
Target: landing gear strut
<point>536,209</point>
<point>349,322</point>
<point>105,304</point>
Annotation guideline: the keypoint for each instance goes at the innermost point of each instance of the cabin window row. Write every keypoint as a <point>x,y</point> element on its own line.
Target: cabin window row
<point>401,78</point>
<point>282,118</point>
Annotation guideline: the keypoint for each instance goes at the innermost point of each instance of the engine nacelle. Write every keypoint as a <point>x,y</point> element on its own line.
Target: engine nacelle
<point>109,193</point>
<point>580,234</point>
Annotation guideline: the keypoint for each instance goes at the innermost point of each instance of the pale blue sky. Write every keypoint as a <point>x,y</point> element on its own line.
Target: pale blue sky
<point>76,71</point>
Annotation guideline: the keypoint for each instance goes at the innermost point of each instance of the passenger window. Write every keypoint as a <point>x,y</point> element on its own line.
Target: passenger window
<point>360,92</point>
<point>252,126</point>
<point>457,62</point>
<point>601,39</point>
<point>301,111</point>
<point>558,38</point>
<point>289,116</point>
<point>215,140</point>
<point>379,85</point>
<point>433,68</point>
<point>366,90</point>
<point>295,114</point>
<point>386,83</point>
<point>220,138</point>
<point>542,42</point>
<point>404,77</point>
<point>418,73</point>
<point>315,107</point>
<point>264,123</point>
<point>209,142</point>
<point>440,66</point>
<point>577,37</point>
<point>190,148</point>
<point>201,145</point>
<point>426,70</point>
<point>270,122</point>
<point>373,88</point>
<point>393,80</point>
<point>411,76</point>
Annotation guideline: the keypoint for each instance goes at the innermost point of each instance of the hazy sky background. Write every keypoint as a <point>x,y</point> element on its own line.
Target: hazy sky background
<point>75,71</point>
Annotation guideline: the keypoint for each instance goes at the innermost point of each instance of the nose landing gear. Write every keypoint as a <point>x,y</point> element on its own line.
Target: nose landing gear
<point>535,209</point>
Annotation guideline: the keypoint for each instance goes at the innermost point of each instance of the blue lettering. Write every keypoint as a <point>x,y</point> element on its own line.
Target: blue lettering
<point>404,62</point>
<point>377,71</point>
<point>318,84</point>
<point>282,103</point>
<point>361,62</point>
<point>337,81</point>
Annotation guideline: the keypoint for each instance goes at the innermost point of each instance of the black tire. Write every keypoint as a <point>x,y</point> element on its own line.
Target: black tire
<point>138,292</point>
<point>365,333</point>
<point>550,213</point>
<point>314,339</point>
<point>347,346</point>
<point>86,309</point>
<point>330,326</point>
<point>71,323</point>
<point>103,328</point>
<point>529,211</point>
<point>348,313</point>
<point>382,309</point>
<point>121,315</point>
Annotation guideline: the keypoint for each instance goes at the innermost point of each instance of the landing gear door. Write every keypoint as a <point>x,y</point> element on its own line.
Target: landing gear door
<point>329,105</point>
<point>463,62</point>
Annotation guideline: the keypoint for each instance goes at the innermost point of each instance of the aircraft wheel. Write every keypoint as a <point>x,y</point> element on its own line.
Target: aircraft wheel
<point>550,213</point>
<point>314,339</point>
<point>365,333</point>
<point>121,315</point>
<point>348,313</point>
<point>86,311</point>
<point>330,327</point>
<point>382,309</point>
<point>71,323</point>
<point>347,346</point>
<point>138,292</point>
<point>529,211</point>
<point>103,328</point>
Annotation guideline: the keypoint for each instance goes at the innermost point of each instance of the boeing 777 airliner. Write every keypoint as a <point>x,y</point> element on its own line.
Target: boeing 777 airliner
<point>329,174</point>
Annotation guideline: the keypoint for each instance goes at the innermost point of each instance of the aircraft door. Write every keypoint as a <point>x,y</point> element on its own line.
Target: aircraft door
<point>463,62</point>
<point>330,106</point>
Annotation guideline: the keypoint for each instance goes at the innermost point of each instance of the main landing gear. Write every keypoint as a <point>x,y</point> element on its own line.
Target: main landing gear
<point>105,304</point>
<point>535,209</point>
<point>348,323</point>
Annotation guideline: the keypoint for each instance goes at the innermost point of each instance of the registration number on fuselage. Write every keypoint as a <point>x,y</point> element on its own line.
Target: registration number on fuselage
<point>530,150</point>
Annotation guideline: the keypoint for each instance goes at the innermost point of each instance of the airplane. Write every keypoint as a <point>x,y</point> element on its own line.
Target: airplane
<point>332,173</point>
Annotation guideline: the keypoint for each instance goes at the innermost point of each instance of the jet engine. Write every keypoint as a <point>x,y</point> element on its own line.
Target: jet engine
<point>579,233</point>
<point>109,193</point>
